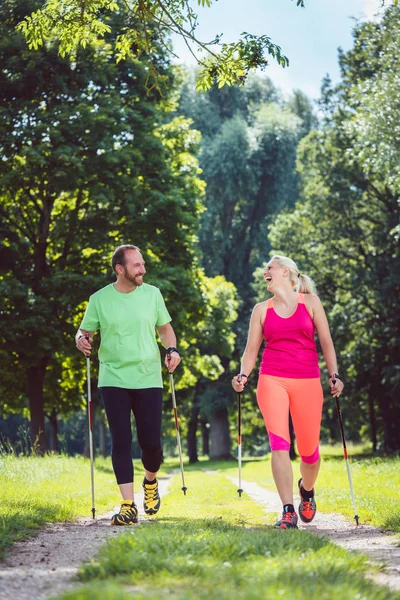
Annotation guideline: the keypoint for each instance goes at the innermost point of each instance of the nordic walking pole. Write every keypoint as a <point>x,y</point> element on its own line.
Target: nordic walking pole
<point>239,404</point>
<point>346,456</point>
<point>90,419</point>
<point>178,437</point>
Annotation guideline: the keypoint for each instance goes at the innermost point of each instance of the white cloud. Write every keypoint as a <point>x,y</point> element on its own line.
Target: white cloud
<point>372,10</point>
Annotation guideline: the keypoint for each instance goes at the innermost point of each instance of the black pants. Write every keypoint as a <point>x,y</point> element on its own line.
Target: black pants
<point>146,405</point>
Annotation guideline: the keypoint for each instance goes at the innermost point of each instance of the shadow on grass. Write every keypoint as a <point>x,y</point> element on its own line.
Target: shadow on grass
<point>216,465</point>
<point>355,455</point>
<point>103,469</point>
<point>358,455</point>
<point>392,523</point>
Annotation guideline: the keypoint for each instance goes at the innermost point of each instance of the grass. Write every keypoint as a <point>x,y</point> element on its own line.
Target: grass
<point>53,488</point>
<point>212,545</point>
<point>209,544</point>
<point>376,483</point>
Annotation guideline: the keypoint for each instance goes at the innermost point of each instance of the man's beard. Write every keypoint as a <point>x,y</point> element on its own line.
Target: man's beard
<point>133,278</point>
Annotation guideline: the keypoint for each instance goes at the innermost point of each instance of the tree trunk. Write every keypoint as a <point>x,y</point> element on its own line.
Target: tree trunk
<point>219,435</point>
<point>205,436</point>
<point>53,431</point>
<point>389,410</point>
<point>192,433</point>
<point>391,432</point>
<point>372,422</point>
<point>35,378</point>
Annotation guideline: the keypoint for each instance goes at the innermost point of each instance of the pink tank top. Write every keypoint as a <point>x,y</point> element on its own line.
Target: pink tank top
<point>290,349</point>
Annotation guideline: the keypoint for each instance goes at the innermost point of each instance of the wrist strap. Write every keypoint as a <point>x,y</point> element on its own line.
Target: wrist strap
<point>171,350</point>
<point>244,375</point>
<point>335,376</point>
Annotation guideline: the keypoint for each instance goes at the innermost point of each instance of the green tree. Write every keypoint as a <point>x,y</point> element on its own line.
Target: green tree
<point>76,24</point>
<point>345,230</point>
<point>89,160</point>
<point>217,341</point>
<point>249,142</point>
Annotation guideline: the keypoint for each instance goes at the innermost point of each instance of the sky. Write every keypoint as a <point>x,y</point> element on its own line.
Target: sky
<point>308,36</point>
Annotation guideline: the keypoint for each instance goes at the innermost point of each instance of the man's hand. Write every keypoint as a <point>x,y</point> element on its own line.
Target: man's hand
<point>172,359</point>
<point>84,343</point>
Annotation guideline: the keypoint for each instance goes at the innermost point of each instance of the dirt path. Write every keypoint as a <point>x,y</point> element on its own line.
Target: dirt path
<point>44,565</point>
<point>381,547</point>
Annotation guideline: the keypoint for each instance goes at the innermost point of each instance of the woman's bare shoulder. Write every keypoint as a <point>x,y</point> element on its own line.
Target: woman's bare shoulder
<point>312,300</point>
<point>260,307</point>
<point>259,312</point>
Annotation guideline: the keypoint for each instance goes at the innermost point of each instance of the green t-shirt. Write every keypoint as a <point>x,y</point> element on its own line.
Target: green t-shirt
<point>128,354</point>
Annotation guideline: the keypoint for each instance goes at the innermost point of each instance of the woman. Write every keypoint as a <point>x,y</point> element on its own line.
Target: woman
<point>289,379</point>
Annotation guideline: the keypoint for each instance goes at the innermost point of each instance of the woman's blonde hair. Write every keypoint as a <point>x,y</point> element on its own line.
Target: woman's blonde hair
<point>302,283</point>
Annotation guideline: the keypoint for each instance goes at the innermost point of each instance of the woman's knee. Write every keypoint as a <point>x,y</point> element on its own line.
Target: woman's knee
<point>152,457</point>
<point>277,442</point>
<point>312,458</point>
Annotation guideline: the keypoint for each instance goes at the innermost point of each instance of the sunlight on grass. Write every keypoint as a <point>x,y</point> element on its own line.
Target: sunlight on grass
<point>376,483</point>
<point>207,545</point>
<point>212,545</point>
<point>36,490</point>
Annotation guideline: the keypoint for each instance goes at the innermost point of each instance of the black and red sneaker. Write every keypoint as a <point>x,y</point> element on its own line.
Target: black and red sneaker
<point>307,506</point>
<point>288,521</point>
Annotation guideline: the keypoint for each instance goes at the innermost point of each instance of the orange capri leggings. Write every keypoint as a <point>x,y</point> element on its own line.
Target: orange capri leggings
<point>276,396</point>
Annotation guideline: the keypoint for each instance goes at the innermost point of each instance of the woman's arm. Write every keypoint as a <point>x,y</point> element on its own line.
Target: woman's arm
<point>325,339</point>
<point>254,339</point>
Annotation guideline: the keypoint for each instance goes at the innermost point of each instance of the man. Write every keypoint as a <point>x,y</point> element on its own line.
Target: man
<point>127,313</point>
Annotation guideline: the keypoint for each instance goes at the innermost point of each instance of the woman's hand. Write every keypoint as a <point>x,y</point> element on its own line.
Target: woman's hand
<point>239,382</point>
<point>336,385</point>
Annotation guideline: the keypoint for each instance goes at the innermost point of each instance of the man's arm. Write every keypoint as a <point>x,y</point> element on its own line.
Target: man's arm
<point>168,340</point>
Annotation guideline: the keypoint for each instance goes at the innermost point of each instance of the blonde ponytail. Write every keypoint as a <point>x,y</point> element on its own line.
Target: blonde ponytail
<point>301,283</point>
<point>306,285</point>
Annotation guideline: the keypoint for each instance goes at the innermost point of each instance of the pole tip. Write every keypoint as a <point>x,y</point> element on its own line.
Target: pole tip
<point>184,490</point>
<point>356,518</point>
<point>94,513</point>
<point>240,491</point>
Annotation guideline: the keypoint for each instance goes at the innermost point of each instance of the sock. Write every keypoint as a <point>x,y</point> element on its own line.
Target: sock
<point>305,493</point>
<point>147,481</point>
<point>288,508</point>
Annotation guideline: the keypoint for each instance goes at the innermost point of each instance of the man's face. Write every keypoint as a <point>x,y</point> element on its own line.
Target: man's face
<point>133,270</point>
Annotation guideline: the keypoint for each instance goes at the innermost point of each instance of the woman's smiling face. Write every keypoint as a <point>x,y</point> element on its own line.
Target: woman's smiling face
<point>273,275</point>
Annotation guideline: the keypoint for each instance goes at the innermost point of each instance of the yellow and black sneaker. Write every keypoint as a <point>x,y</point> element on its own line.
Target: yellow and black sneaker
<point>128,514</point>
<point>152,501</point>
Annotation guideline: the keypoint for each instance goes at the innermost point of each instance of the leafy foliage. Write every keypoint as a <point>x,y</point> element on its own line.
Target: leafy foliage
<point>79,24</point>
<point>90,158</point>
<point>349,218</point>
<point>249,143</point>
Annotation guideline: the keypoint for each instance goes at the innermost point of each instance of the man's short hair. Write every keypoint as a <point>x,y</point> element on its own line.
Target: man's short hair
<point>118,257</point>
